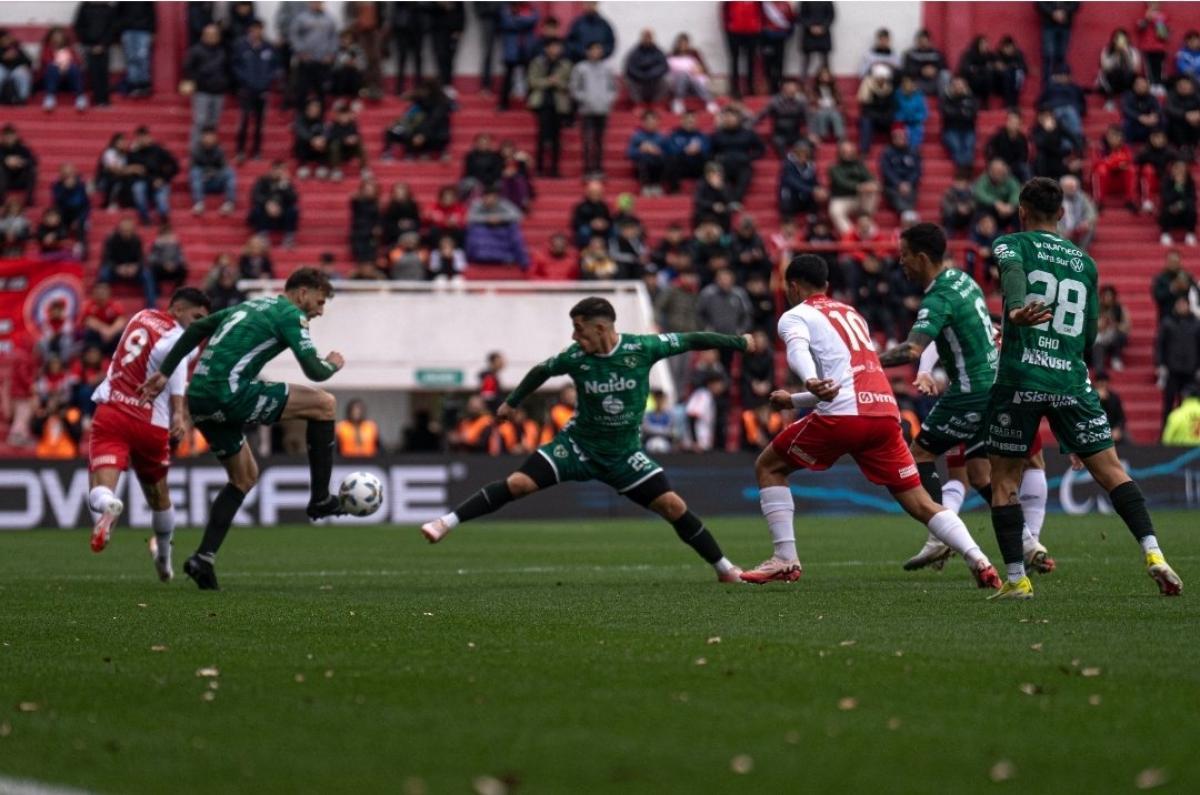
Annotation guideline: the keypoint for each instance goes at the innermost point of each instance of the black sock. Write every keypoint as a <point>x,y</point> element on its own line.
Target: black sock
<point>491,497</point>
<point>1130,505</point>
<point>985,491</point>
<point>1009,522</point>
<point>692,532</point>
<point>931,480</point>
<point>320,457</point>
<point>220,517</point>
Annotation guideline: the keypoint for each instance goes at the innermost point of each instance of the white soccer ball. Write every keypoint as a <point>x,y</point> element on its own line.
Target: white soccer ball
<point>361,494</point>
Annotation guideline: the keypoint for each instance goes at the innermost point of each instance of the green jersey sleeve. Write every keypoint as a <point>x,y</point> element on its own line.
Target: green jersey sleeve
<point>663,346</point>
<point>292,330</point>
<point>538,375</point>
<point>196,333</point>
<point>934,314</point>
<point>1007,251</point>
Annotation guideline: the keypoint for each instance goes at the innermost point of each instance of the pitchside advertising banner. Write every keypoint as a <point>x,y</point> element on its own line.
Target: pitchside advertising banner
<point>40,494</point>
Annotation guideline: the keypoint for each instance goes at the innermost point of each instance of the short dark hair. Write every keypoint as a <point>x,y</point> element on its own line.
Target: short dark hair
<point>809,269</point>
<point>594,308</point>
<point>311,278</point>
<point>190,295</point>
<point>927,239</point>
<point>1042,198</point>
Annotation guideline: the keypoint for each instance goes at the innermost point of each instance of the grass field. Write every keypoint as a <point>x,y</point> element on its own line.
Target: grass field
<point>595,657</point>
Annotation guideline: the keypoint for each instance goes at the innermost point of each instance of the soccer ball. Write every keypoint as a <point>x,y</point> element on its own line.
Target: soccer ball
<point>361,494</point>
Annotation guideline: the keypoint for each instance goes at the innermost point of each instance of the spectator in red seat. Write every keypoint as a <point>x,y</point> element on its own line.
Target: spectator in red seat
<point>96,30</point>
<point>16,71</point>
<point>800,190</point>
<point>313,36</point>
<point>515,185</point>
<point>587,29</point>
<point>876,106</point>
<point>978,66</point>
<point>1066,101</point>
<point>874,296</point>
<point>594,89</point>
<point>1010,71</point>
<point>153,168</point>
<point>750,258</point>
<point>1112,332</point>
<point>1152,162</point>
<point>101,319</point>
<point>18,165</point>
<point>688,76</point>
<point>628,250</point>
<point>852,188</point>
<point>310,141</point>
<point>211,173</point>
<point>409,25</point>
<point>958,203</point>
<point>123,261</point>
<point>517,23</point>
<point>401,214</point>
<point>274,204</point>
<point>550,99</point>
<point>494,232</point>
<point>900,170</point>
<point>649,151</point>
<point>1010,145</point>
<point>255,67</point>
<point>1153,33</point>
<point>1055,151</point>
<point>997,193</point>
<point>788,112</point>
<point>255,260</point>
<point>54,237</point>
<point>712,199</point>
<point>925,64</point>
<point>345,143</point>
<point>1120,63</point>
<point>881,53</point>
<point>15,228</point>
<point>348,73</point>
<point>708,247</point>
<point>825,108</point>
<point>979,261</point>
<point>689,149</point>
<point>1183,115</point>
<point>911,110</point>
<point>1056,21</point>
<point>61,68</point>
<point>446,24</point>
<point>666,255</point>
<point>366,221</point>
<point>1140,112</point>
<point>864,238</point>
<point>1170,283</point>
<point>595,262</point>
<point>779,20</point>
<point>1078,222</point>
<point>592,216</point>
<point>222,287</point>
<point>446,217</point>
<point>735,146</point>
<point>1177,353</point>
<point>742,23</point>
<point>424,129</point>
<point>70,198</point>
<point>814,21</point>
<point>166,258</point>
<point>645,71</point>
<point>1113,170</point>
<point>1178,208</point>
<point>206,70</point>
<point>447,262</point>
<point>959,109</point>
<point>557,262</point>
<point>482,166</point>
<point>407,261</point>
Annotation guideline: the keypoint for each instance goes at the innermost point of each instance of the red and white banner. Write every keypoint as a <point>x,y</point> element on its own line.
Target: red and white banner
<point>29,288</point>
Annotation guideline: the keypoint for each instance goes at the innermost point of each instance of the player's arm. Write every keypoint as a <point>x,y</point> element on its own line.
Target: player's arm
<point>533,380</point>
<point>925,382</point>
<point>315,368</point>
<point>1017,309</point>
<point>666,345</point>
<point>908,351</point>
<point>196,333</point>
<point>795,334</point>
<point>176,388</point>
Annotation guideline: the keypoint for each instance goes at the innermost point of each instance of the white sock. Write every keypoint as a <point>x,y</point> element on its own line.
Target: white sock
<point>1033,500</point>
<point>1027,539</point>
<point>1150,544</point>
<point>780,510</point>
<point>450,520</point>
<point>1015,572</point>
<point>954,534</point>
<point>163,523</point>
<point>99,498</point>
<point>724,566</point>
<point>953,494</point>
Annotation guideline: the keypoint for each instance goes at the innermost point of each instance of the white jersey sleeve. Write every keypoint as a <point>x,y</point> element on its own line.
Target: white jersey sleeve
<point>816,350</point>
<point>175,386</point>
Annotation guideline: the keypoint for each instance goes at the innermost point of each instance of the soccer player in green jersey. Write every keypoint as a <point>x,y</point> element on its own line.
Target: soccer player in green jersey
<point>224,395</point>
<point>1050,315</point>
<point>603,441</point>
<point>953,317</point>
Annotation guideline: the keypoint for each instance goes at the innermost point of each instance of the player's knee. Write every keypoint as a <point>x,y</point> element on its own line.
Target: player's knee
<point>669,506</point>
<point>520,484</point>
<point>326,405</point>
<point>768,467</point>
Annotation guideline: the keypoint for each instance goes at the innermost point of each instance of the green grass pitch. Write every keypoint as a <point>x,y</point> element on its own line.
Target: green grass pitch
<point>582,657</point>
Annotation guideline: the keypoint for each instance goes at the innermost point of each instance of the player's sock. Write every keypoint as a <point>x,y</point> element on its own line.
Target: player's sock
<point>951,531</point>
<point>724,566</point>
<point>930,479</point>
<point>779,510</point>
<point>1008,523</point>
<point>986,493</point>
<point>99,499</point>
<point>320,457</point>
<point>1130,505</point>
<point>1033,500</point>
<point>692,532</point>
<point>491,497</point>
<point>220,517</point>
<point>953,494</point>
<point>163,523</point>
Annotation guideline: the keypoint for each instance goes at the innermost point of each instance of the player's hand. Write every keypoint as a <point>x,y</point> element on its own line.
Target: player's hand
<point>1034,313</point>
<point>750,346</point>
<point>926,384</point>
<point>782,399</point>
<point>1076,463</point>
<point>179,427</point>
<point>824,388</point>
<point>153,387</point>
<point>504,412</point>
<point>336,359</point>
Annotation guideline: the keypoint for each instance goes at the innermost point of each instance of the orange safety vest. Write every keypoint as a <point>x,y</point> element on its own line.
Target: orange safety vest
<point>56,442</point>
<point>911,422</point>
<point>560,415</point>
<point>475,433</point>
<point>358,439</point>
<point>751,426</point>
<point>506,440</point>
<point>192,444</point>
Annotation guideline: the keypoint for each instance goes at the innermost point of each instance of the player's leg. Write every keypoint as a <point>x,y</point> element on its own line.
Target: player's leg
<point>771,470</point>
<point>162,520</point>
<point>655,493</point>
<point>319,409</point>
<point>108,457</point>
<point>536,473</point>
<point>243,474</point>
<point>934,553</point>
<point>954,489</point>
<point>1032,495</point>
<point>103,504</point>
<point>1012,427</point>
<point>948,528</point>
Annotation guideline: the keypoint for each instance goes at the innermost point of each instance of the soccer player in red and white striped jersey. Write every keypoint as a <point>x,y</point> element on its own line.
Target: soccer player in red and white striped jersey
<point>854,413</point>
<point>131,433</point>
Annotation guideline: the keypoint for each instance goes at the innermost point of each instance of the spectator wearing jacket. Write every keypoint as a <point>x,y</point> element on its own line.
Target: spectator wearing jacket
<point>690,149</point>
<point>876,106</point>
<point>959,109</point>
<point>166,259</point>
<point>1183,115</point>
<point>123,261</point>
<point>958,203</point>
<point>494,232</point>
<point>687,76</point>
<point>550,100</point>
<point>1011,70</point>
<point>1056,20</point>
<point>591,217</point>
<point>778,22</point>
<point>649,151</point>
<point>816,41</point>
<point>1140,112</point>
<point>313,37</point>
<point>210,173</point>
<point>61,68</point>
<point>255,67</point>
<point>1055,151</point>
<point>447,21</point>
<point>911,110</point>
<point>735,147</point>
<point>723,307</point>
<point>1066,101</point>
<point>1113,170</point>
<point>826,121</point>
<point>156,167</point>
<point>310,141</point>
<point>926,65</point>
<point>853,189</point>
<point>424,129</point>
<point>713,201</point>
<point>16,71</point>
<point>1187,59</point>
<point>996,194</point>
<point>409,24</point>
<point>1078,222</point>
<point>1120,63</point>
<point>1152,162</point>
<point>800,190</point>
<point>977,66</point>
<point>646,71</point>
<point>788,112</point>
<point>347,74</point>
<point>206,69</point>
<point>594,89</point>
<point>1011,145</point>
<point>900,171</point>
<point>743,24</point>
<point>517,23</point>
<point>1178,207</point>
<point>96,31</point>
<point>881,53</point>
<point>274,204</point>
<point>587,29</point>
<point>69,196</point>
<point>446,217</point>
<point>1177,353</point>
<point>365,222</point>
<point>1153,33</point>
<point>137,23</point>
<point>482,166</point>
<point>345,143</point>
<point>18,165</point>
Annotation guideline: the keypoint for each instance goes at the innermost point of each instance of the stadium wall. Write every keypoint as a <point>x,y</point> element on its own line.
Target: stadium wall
<point>48,495</point>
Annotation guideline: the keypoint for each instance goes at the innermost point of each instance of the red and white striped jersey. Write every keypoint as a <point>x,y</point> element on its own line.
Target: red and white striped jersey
<point>146,341</point>
<point>839,342</point>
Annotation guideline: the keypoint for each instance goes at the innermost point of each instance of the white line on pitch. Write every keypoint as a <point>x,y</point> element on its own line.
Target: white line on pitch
<point>26,786</point>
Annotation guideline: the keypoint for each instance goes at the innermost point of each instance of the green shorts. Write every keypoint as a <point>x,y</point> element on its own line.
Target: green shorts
<point>956,419</point>
<point>221,422</point>
<point>621,471</point>
<point>1078,421</point>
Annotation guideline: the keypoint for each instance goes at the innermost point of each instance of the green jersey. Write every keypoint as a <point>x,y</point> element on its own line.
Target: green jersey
<point>955,314</point>
<point>1049,358</point>
<point>241,340</point>
<point>612,388</point>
